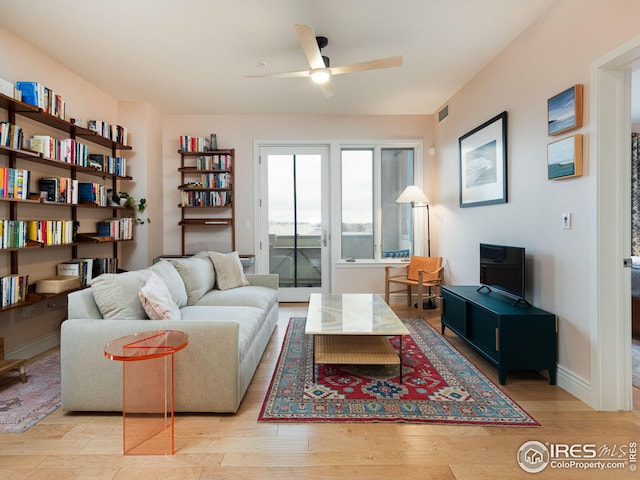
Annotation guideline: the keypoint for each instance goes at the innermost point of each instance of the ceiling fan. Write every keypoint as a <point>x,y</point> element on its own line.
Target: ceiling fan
<point>320,71</point>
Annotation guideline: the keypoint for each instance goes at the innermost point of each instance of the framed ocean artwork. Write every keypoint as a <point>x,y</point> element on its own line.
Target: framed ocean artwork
<point>564,111</point>
<point>564,158</point>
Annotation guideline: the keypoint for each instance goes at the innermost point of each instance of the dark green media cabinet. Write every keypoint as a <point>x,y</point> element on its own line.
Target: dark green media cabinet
<point>512,337</point>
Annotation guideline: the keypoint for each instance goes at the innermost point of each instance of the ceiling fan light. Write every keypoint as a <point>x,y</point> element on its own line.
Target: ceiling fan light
<point>320,75</point>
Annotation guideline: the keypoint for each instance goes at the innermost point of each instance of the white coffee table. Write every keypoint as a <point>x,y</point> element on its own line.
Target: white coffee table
<point>352,329</point>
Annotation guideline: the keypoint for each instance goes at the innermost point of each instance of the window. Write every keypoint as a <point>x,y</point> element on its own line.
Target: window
<point>357,204</point>
<point>373,225</point>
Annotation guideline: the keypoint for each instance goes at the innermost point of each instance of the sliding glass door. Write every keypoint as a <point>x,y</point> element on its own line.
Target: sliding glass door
<point>294,210</point>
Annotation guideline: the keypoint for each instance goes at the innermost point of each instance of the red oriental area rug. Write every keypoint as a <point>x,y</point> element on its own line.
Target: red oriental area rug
<point>439,386</point>
<point>22,405</point>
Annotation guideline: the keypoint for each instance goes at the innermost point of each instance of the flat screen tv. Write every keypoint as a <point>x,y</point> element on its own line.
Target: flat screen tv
<point>503,268</point>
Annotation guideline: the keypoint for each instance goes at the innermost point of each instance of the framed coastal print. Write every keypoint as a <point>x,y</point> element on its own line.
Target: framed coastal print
<point>564,158</point>
<point>564,111</point>
<point>483,163</point>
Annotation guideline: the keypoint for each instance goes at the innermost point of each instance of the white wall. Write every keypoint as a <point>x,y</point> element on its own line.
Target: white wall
<point>145,124</point>
<point>240,131</point>
<point>553,54</point>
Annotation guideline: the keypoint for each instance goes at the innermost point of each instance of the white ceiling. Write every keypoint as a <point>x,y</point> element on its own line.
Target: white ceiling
<point>190,56</point>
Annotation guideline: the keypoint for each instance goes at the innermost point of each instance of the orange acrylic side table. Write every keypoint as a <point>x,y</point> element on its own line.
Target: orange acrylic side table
<point>147,389</point>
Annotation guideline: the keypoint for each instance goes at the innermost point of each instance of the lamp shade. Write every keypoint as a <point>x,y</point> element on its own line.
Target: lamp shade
<point>412,194</point>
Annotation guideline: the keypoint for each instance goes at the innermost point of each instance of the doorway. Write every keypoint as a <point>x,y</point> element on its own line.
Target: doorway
<point>610,307</point>
<point>295,218</point>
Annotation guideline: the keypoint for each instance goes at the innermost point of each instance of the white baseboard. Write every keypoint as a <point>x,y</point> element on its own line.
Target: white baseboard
<point>576,385</point>
<point>35,347</point>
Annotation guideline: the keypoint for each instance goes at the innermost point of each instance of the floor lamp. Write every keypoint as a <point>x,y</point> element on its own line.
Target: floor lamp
<point>416,197</point>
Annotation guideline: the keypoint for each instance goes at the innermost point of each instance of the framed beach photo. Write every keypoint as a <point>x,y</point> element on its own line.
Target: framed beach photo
<point>564,111</point>
<point>564,158</point>
<point>483,163</point>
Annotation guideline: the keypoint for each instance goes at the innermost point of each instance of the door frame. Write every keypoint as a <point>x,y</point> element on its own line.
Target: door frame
<point>610,236</point>
<point>260,203</point>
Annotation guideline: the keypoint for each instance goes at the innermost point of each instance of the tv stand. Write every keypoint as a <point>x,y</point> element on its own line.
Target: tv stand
<point>510,336</point>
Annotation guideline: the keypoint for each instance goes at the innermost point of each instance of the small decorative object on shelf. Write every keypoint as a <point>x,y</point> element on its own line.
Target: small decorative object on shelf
<point>138,207</point>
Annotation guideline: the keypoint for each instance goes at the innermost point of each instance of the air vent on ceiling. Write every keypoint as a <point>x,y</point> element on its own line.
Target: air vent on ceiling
<point>444,113</point>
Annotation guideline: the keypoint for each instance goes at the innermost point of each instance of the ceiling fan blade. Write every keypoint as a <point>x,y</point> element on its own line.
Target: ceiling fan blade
<point>303,73</point>
<point>327,89</point>
<point>388,62</point>
<point>309,45</point>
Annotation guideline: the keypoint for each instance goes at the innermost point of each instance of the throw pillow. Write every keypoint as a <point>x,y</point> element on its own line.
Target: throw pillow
<point>116,294</point>
<point>229,272</point>
<point>157,301</point>
<point>197,274</point>
<point>170,276</point>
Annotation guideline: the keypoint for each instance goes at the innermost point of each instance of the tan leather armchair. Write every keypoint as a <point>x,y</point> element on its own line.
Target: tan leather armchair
<point>424,273</point>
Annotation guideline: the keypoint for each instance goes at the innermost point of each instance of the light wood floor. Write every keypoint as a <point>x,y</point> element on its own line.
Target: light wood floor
<point>89,446</point>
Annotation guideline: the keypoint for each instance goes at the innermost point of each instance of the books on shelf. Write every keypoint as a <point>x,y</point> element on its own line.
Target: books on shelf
<point>14,183</point>
<point>87,268</point>
<point>42,97</point>
<point>9,89</point>
<point>117,133</point>
<point>196,198</point>
<point>13,233</point>
<point>50,232</point>
<point>11,135</point>
<point>59,189</point>
<point>194,144</point>
<point>214,162</point>
<point>13,289</point>
<point>108,164</point>
<point>92,193</point>
<point>65,150</point>
<point>116,228</point>
<point>215,180</point>
<point>77,267</point>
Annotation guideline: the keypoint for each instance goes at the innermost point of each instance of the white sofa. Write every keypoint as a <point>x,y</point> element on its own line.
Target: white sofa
<point>228,332</point>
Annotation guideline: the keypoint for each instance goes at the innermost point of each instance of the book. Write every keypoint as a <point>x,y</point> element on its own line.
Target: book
<point>30,92</point>
<point>86,192</point>
<point>50,186</point>
<point>86,269</point>
<point>71,268</point>
<point>6,88</point>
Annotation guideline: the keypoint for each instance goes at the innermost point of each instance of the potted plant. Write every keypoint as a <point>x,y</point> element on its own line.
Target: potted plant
<point>138,206</point>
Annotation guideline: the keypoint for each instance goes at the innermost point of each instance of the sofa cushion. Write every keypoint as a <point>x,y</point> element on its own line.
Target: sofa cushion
<point>172,279</point>
<point>157,301</point>
<point>197,274</point>
<point>251,296</point>
<point>249,321</point>
<point>116,294</point>
<point>229,272</point>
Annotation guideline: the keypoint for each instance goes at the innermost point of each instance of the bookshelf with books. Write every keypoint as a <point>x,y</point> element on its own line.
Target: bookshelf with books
<point>50,176</point>
<point>206,189</point>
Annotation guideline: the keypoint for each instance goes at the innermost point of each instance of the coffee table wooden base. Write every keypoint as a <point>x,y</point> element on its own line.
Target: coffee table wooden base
<point>354,350</point>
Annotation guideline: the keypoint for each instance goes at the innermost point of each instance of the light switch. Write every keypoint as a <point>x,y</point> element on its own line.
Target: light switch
<point>566,221</point>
